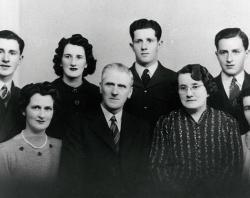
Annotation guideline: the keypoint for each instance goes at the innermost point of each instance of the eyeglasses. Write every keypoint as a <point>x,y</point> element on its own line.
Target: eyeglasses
<point>194,88</point>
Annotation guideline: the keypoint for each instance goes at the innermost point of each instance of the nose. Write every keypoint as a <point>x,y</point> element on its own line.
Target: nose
<point>73,62</point>
<point>144,45</point>
<point>41,113</point>
<point>6,58</point>
<point>114,91</point>
<point>229,57</point>
<point>189,92</point>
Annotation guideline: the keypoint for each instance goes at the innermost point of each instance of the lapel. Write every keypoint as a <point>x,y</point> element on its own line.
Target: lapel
<point>127,133</point>
<point>99,126</point>
<point>222,92</point>
<point>246,82</point>
<point>157,77</point>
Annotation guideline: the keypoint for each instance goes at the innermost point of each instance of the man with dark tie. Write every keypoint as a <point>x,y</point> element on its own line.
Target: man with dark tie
<point>154,93</point>
<point>11,48</point>
<point>231,51</point>
<point>105,153</point>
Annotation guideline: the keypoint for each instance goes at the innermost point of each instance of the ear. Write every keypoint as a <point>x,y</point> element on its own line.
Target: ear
<point>23,113</point>
<point>247,51</point>
<point>160,43</point>
<point>100,87</point>
<point>130,92</point>
<point>132,46</point>
<point>216,53</point>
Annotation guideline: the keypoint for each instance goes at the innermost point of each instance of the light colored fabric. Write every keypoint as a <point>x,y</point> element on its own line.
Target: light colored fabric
<point>18,160</point>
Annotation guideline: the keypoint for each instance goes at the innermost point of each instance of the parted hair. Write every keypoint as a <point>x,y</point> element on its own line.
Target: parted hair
<point>144,24</point>
<point>79,40</point>
<point>44,88</point>
<point>230,33</point>
<point>199,72</point>
<point>7,34</point>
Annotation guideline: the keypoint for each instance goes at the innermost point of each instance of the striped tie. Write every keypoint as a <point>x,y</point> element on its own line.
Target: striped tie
<point>234,92</point>
<point>4,92</point>
<point>115,132</point>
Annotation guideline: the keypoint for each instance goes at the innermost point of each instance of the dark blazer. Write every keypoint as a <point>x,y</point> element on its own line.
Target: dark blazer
<point>11,120</point>
<point>158,98</point>
<point>95,168</point>
<point>72,101</point>
<point>220,101</point>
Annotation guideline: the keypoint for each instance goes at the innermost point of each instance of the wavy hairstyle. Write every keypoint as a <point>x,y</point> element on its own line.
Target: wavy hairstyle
<point>43,89</point>
<point>79,40</point>
<point>198,72</point>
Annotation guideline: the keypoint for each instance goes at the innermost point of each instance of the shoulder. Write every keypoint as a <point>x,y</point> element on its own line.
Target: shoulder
<point>133,120</point>
<point>55,142</point>
<point>11,144</point>
<point>90,86</point>
<point>222,115</point>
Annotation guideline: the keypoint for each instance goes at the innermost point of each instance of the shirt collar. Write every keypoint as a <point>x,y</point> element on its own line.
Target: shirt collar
<point>108,115</point>
<point>226,80</point>
<point>151,68</point>
<point>8,84</point>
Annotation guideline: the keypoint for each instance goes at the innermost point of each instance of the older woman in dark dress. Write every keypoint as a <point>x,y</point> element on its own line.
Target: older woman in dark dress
<point>73,61</point>
<point>196,150</point>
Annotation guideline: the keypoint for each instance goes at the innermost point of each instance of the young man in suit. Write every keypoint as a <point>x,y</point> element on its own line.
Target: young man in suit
<point>105,153</point>
<point>11,48</point>
<point>154,85</point>
<point>231,51</point>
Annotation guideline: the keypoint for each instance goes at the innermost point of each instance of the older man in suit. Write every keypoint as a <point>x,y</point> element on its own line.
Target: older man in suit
<point>107,150</point>
<point>232,50</point>
<point>11,48</point>
<point>154,85</point>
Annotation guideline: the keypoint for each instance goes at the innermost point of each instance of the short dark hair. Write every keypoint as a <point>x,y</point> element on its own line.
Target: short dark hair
<point>44,88</point>
<point>144,24</point>
<point>244,93</point>
<point>230,33</point>
<point>79,40</point>
<point>199,72</point>
<point>7,34</point>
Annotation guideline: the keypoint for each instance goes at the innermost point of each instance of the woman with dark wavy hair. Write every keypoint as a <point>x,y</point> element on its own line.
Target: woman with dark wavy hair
<point>196,150</point>
<point>31,158</point>
<point>73,61</point>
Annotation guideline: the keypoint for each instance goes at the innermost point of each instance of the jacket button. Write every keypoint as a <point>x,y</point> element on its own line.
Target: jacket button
<point>77,102</point>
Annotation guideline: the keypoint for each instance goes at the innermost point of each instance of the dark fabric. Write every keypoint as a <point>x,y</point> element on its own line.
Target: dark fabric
<point>92,166</point>
<point>145,77</point>
<point>73,101</point>
<point>158,98</point>
<point>11,119</point>
<point>234,92</point>
<point>220,101</point>
<point>115,132</point>
<point>192,157</point>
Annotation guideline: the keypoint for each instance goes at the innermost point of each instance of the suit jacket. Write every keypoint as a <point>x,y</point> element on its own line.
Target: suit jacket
<point>90,159</point>
<point>158,98</point>
<point>11,120</point>
<point>220,101</point>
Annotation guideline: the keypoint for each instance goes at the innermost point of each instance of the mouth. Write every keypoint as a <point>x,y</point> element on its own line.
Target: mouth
<point>144,54</point>
<point>73,69</point>
<point>230,65</point>
<point>5,66</point>
<point>41,121</point>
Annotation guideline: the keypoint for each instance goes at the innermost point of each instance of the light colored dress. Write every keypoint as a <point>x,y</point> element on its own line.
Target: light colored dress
<point>20,161</point>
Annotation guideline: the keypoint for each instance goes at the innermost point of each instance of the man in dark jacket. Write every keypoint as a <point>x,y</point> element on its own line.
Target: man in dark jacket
<point>11,48</point>
<point>154,91</point>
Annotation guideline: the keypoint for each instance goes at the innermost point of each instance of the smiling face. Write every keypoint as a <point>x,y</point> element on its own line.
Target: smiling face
<point>10,58</point>
<point>116,88</point>
<point>231,55</point>
<point>192,93</point>
<point>145,46</point>
<point>73,62</point>
<point>39,113</point>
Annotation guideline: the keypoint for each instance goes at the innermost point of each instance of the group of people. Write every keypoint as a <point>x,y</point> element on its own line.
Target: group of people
<point>146,131</point>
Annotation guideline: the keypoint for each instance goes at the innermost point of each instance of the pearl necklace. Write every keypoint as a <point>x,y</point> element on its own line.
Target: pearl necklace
<point>32,145</point>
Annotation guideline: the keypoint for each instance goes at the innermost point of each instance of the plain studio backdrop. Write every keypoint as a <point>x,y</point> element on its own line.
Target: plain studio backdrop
<point>189,27</point>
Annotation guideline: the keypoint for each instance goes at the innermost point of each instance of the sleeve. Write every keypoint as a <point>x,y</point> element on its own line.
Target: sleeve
<point>5,166</point>
<point>158,151</point>
<point>235,150</point>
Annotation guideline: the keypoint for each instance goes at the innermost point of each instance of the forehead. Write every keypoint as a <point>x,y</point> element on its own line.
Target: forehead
<point>230,43</point>
<point>74,49</point>
<point>38,99</point>
<point>246,101</point>
<point>116,76</point>
<point>186,79</point>
<point>9,44</point>
<point>144,33</point>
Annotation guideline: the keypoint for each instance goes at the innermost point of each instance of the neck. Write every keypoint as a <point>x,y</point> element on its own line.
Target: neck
<point>196,114</point>
<point>146,65</point>
<point>36,141</point>
<point>6,79</point>
<point>72,82</point>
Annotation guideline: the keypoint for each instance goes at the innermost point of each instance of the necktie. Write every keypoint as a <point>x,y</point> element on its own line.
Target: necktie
<point>4,92</point>
<point>145,77</point>
<point>234,92</point>
<point>115,132</point>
